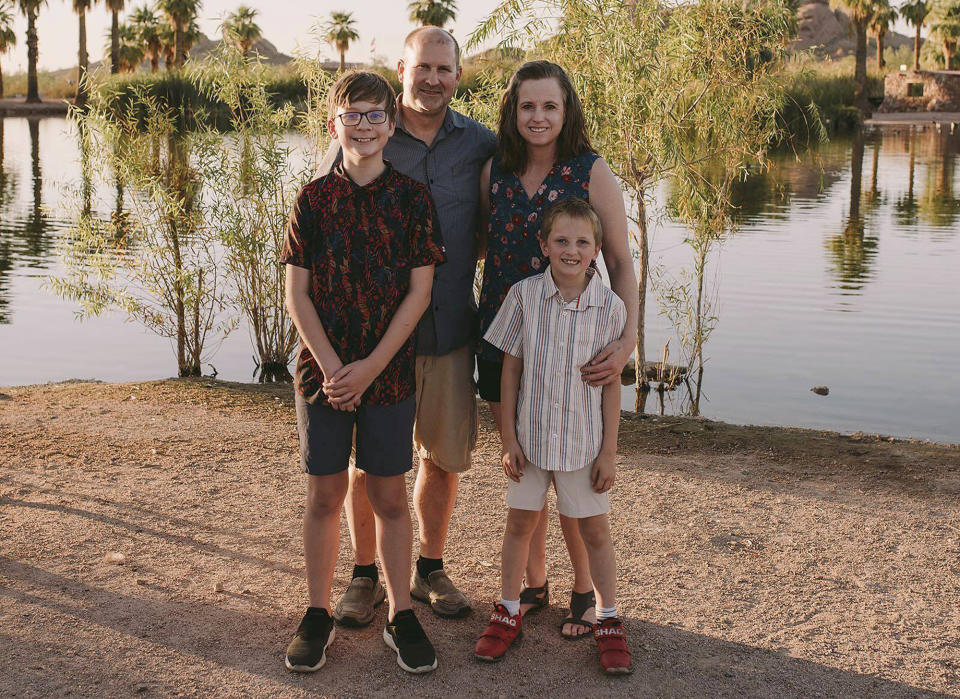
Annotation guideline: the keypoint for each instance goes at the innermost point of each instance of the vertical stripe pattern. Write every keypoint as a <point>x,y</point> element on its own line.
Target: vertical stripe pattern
<point>559,417</point>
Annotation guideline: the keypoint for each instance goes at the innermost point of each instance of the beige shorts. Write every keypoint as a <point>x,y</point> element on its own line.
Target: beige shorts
<point>576,497</point>
<point>445,431</point>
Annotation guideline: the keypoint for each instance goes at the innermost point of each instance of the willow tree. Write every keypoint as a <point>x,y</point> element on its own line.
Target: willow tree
<point>8,38</point>
<point>171,281</point>
<point>688,94</point>
<point>915,13</point>
<point>251,180</point>
<point>339,31</point>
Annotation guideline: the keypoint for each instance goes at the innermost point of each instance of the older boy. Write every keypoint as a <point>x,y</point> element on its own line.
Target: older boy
<point>360,251</point>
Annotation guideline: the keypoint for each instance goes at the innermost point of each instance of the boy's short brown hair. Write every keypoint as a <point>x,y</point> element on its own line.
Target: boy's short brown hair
<point>361,85</point>
<point>573,207</point>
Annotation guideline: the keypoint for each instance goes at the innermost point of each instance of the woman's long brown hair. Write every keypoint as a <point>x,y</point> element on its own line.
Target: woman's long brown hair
<point>573,140</point>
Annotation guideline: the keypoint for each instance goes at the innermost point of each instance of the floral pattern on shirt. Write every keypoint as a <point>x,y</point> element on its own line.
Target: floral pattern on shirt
<point>513,251</point>
<point>360,244</point>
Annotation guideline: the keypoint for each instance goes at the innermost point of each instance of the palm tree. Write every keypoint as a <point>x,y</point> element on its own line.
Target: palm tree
<point>915,13</point>
<point>147,27</point>
<point>860,11</point>
<point>129,50</point>
<point>240,26</point>
<point>30,9</point>
<point>8,38</point>
<point>115,7</point>
<point>432,12</point>
<point>180,13</point>
<point>945,28</point>
<point>339,31</point>
<point>883,17</point>
<point>83,61</point>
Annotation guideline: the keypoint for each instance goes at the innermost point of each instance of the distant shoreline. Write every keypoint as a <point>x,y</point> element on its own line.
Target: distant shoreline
<point>17,107</point>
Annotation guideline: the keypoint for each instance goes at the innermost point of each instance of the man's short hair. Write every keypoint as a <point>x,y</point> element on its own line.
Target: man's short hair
<point>362,85</point>
<point>436,34</point>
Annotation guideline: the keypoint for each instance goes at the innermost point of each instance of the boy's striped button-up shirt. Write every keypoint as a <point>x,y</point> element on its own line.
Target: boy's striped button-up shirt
<point>559,417</point>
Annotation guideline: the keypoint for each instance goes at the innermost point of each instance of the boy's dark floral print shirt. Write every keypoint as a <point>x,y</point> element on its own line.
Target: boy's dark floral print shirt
<point>360,244</point>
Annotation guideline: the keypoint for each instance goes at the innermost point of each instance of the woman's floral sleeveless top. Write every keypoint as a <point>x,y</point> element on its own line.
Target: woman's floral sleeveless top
<point>513,250</point>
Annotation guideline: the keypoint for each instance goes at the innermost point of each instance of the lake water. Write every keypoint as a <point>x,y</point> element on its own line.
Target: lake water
<point>843,273</point>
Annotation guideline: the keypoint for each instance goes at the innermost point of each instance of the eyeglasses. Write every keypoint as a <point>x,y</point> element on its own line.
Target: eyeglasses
<point>375,116</point>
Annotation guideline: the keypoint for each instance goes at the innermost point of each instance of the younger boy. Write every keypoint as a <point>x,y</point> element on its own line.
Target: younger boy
<point>556,427</point>
<point>359,252</point>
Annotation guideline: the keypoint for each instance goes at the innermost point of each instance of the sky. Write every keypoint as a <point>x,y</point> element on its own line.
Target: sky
<point>285,23</point>
<point>382,25</point>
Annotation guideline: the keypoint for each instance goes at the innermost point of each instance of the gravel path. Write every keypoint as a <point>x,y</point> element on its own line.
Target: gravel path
<point>151,545</point>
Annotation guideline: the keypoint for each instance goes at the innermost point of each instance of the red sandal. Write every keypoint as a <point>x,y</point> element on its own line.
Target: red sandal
<point>502,630</point>
<point>615,656</point>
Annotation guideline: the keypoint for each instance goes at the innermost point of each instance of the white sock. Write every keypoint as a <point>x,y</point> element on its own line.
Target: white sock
<point>606,613</point>
<point>512,605</point>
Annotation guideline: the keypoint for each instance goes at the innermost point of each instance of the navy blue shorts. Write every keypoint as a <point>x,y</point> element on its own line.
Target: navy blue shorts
<point>384,437</point>
<point>488,379</point>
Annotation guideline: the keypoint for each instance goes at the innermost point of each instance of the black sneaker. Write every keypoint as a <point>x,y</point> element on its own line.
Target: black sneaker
<point>414,651</point>
<point>307,651</point>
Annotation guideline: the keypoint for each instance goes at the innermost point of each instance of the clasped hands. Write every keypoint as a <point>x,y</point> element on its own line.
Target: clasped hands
<point>348,383</point>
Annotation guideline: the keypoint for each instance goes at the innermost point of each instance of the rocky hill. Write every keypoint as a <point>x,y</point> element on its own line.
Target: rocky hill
<point>828,32</point>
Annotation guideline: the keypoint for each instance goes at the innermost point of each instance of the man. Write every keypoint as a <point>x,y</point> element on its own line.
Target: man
<point>446,151</point>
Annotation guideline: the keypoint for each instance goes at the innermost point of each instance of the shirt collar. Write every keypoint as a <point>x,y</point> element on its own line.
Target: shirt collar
<point>451,119</point>
<point>592,295</point>
<point>373,186</point>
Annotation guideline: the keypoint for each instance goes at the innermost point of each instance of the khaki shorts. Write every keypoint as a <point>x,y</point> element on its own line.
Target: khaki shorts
<point>445,431</point>
<point>576,497</point>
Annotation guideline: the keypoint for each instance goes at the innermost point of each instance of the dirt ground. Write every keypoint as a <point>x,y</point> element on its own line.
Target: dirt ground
<point>151,545</point>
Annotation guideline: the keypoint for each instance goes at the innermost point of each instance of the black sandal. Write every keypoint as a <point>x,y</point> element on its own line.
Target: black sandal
<point>539,597</point>
<point>580,602</point>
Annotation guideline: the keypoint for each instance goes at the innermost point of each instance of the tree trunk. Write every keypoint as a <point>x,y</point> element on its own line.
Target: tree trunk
<point>83,61</point>
<point>881,63</point>
<point>641,379</point>
<point>33,55</point>
<point>860,72</point>
<point>114,42</point>
<point>178,46</point>
<point>1,82</point>
<point>916,48</point>
<point>947,56</point>
<point>343,63</point>
<point>155,61</point>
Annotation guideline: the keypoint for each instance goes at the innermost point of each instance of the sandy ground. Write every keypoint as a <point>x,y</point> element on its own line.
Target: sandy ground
<point>753,561</point>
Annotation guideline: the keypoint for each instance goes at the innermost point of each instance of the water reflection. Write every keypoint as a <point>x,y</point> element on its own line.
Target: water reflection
<point>852,253</point>
<point>906,206</point>
<point>8,190</point>
<point>939,205</point>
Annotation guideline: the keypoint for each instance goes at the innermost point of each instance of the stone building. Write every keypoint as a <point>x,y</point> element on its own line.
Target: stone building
<point>922,91</point>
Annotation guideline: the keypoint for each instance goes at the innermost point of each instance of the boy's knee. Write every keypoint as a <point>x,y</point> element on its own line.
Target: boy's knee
<point>320,504</point>
<point>325,495</point>
<point>388,497</point>
<point>522,522</point>
<point>595,531</point>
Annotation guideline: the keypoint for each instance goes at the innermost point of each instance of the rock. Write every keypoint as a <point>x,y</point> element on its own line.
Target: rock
<point>218,586</point>
<point>114,557</point>
<point>821,390</point>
